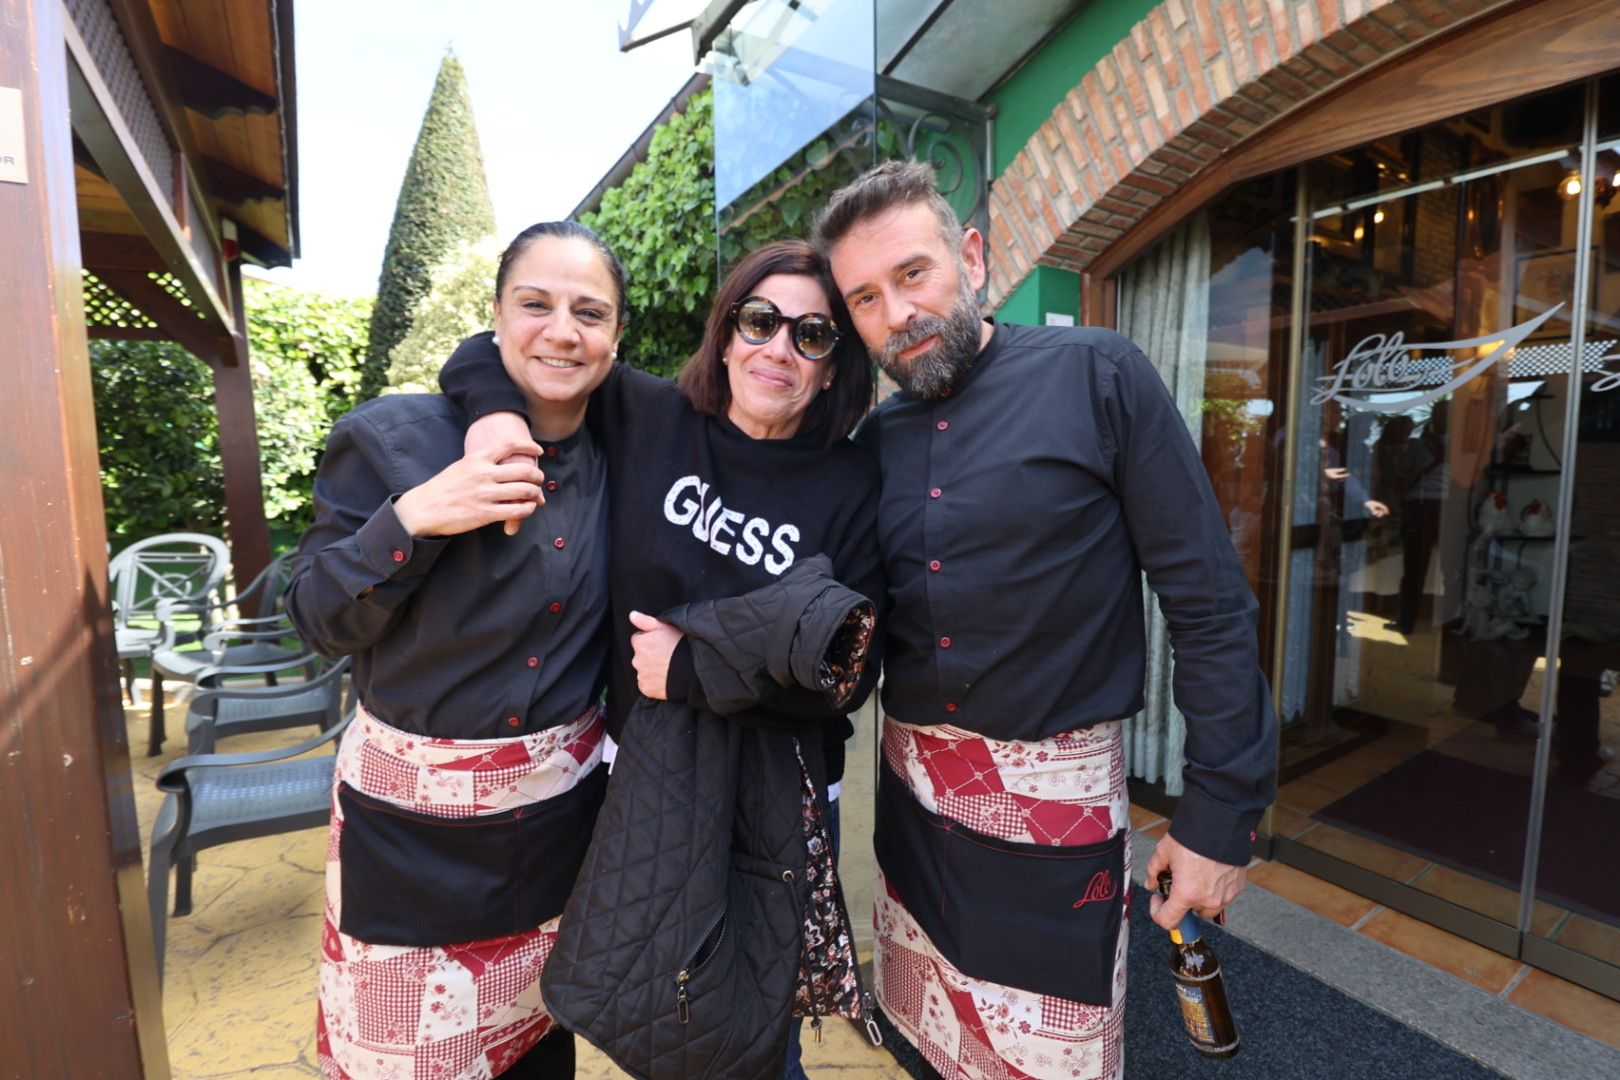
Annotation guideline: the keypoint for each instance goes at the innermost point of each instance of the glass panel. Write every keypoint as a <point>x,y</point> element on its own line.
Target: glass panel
<point>1209,306</point>
<point>1577,890</point>
<point>1609,107</point>
<point>786,71</point>
<point>1436,367</point>
<point>1547,126</point>
<point>800,112</point>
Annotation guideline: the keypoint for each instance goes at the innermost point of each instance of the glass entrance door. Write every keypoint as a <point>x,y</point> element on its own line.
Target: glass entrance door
<point>1578,825</point>
<point>1441,439</point>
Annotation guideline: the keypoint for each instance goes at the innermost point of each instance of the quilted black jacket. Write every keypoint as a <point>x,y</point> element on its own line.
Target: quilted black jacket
<point>680,945</point>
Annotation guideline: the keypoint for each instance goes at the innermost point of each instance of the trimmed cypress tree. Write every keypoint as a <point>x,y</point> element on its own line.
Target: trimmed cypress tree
<point>443,204</point>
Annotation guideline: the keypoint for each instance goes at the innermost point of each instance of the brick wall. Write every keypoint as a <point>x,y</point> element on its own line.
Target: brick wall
<point>1193,79</point>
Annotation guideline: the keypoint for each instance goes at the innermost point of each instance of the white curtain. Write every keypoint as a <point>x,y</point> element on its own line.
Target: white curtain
<point>1164,309</point>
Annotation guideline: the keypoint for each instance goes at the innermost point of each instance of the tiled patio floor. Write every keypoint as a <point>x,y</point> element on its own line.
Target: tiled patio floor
<point>239,996</point>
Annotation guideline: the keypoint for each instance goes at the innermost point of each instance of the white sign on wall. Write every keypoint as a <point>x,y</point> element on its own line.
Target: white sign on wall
<point>1056,318</point>
<point>13,150</point>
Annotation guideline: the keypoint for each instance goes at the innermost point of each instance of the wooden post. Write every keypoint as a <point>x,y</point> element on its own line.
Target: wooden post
<point>80,992</point>
<point>239,447</point>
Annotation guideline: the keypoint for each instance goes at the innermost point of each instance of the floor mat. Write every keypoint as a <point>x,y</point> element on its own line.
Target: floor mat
<point>1293,1026</point>
<point>1473,818</point>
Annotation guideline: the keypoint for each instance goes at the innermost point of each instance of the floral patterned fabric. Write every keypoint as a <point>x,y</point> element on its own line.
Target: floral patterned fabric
<point>461,1012</point>
<point>1066,791</point>
<point>828,984</point>
<point>841,667</point>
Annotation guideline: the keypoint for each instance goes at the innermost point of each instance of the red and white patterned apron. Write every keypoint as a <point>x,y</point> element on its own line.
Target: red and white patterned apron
<point>461,1012</point>
<point>1067,791</point>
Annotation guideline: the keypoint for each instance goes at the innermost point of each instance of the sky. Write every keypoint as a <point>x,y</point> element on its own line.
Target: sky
<point>555,100</point>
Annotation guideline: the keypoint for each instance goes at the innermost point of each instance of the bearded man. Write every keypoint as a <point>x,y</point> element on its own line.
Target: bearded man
<point>1031,475</point>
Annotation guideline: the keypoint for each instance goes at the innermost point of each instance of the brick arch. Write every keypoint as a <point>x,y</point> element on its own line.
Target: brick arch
<point>1191,82</point>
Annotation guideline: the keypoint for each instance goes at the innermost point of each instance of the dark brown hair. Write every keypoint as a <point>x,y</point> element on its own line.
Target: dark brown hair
<point>881,188</point>
<point>566,230</point>
<point>835,411</point>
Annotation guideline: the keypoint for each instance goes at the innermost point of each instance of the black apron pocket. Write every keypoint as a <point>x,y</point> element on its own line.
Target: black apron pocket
<point>410,878</point>
<point>1031,916</point>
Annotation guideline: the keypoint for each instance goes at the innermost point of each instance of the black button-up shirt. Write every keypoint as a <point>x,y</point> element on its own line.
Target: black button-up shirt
<point>476,636</point>
<point>1016,519</point>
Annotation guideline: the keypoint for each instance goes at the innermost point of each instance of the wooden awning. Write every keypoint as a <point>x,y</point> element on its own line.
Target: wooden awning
<point>185,141</point>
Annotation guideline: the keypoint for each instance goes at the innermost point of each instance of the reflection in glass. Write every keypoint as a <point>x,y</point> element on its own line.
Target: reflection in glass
<point>785,72</point>
<point>1436,487</point>
<point>1209,306</point>
<point>1436,369</point>
<point>1582,809</point>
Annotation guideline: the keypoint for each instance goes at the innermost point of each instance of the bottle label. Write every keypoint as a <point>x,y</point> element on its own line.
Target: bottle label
<point>1195,1014</point>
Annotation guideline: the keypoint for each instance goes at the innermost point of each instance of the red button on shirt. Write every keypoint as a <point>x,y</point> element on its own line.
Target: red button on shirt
<point>950,706</point>
<point>551,485</point>
<point>399,556</point>
<point>934,493</point>
<point>944,642</point>
<point>512,721</point>
<point>934,566</point>
<point>943,424</point>
<point>559,543</point>
<point>554,607</point>
<point>533,661</point>
<point>551,451</point>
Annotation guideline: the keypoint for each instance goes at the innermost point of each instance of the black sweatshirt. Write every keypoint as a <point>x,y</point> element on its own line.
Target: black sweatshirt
<point>701,511</point>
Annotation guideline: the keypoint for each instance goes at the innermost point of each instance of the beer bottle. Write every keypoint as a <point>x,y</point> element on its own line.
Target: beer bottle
<point>1200,989</point>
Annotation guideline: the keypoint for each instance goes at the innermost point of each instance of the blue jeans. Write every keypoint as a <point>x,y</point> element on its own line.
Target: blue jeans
<point>793,1066</point>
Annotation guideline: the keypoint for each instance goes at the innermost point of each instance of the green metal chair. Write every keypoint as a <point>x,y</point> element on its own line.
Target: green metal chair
<point>216,799</point>
<point>258,634</point>
<point>220,711</point>
<point>181,570</point>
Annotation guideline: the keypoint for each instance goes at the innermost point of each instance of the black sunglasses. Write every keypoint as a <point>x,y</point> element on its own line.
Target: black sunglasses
<point>757,320</point>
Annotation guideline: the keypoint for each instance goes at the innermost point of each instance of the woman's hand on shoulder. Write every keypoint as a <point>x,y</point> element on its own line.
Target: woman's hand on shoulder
<point>500,482</point>
<point>497,430</point>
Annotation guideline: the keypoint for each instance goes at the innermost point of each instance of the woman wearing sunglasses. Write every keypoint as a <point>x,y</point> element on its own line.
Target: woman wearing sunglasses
<point>721,480</point>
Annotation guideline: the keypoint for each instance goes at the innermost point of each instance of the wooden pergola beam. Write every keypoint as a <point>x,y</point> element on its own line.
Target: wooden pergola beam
<point>177,321</point>
<point>245,522</point>
<point>212,92</point>
<point>99,124</point>
<point>80,996</point>
<point>118,251</point>
<point>260,248</point>
<point>240,462</point>
<point>235,186</point>
<point>140,31</point>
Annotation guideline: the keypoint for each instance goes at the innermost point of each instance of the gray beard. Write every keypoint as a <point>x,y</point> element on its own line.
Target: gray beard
<point>940,368</point>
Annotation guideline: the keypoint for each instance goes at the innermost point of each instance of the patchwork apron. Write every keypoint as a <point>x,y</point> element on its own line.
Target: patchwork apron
<point>447,868</point>
<point>1000,911</point>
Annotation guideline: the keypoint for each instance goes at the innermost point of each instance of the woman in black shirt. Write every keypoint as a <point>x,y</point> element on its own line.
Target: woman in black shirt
<point>470,778</point>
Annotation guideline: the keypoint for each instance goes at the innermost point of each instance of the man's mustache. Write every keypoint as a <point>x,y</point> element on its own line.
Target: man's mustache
<point>915,334</point>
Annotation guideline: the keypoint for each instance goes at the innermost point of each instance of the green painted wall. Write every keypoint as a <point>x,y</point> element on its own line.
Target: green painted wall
<point>1046,289</point>
<point>1025,101</point>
